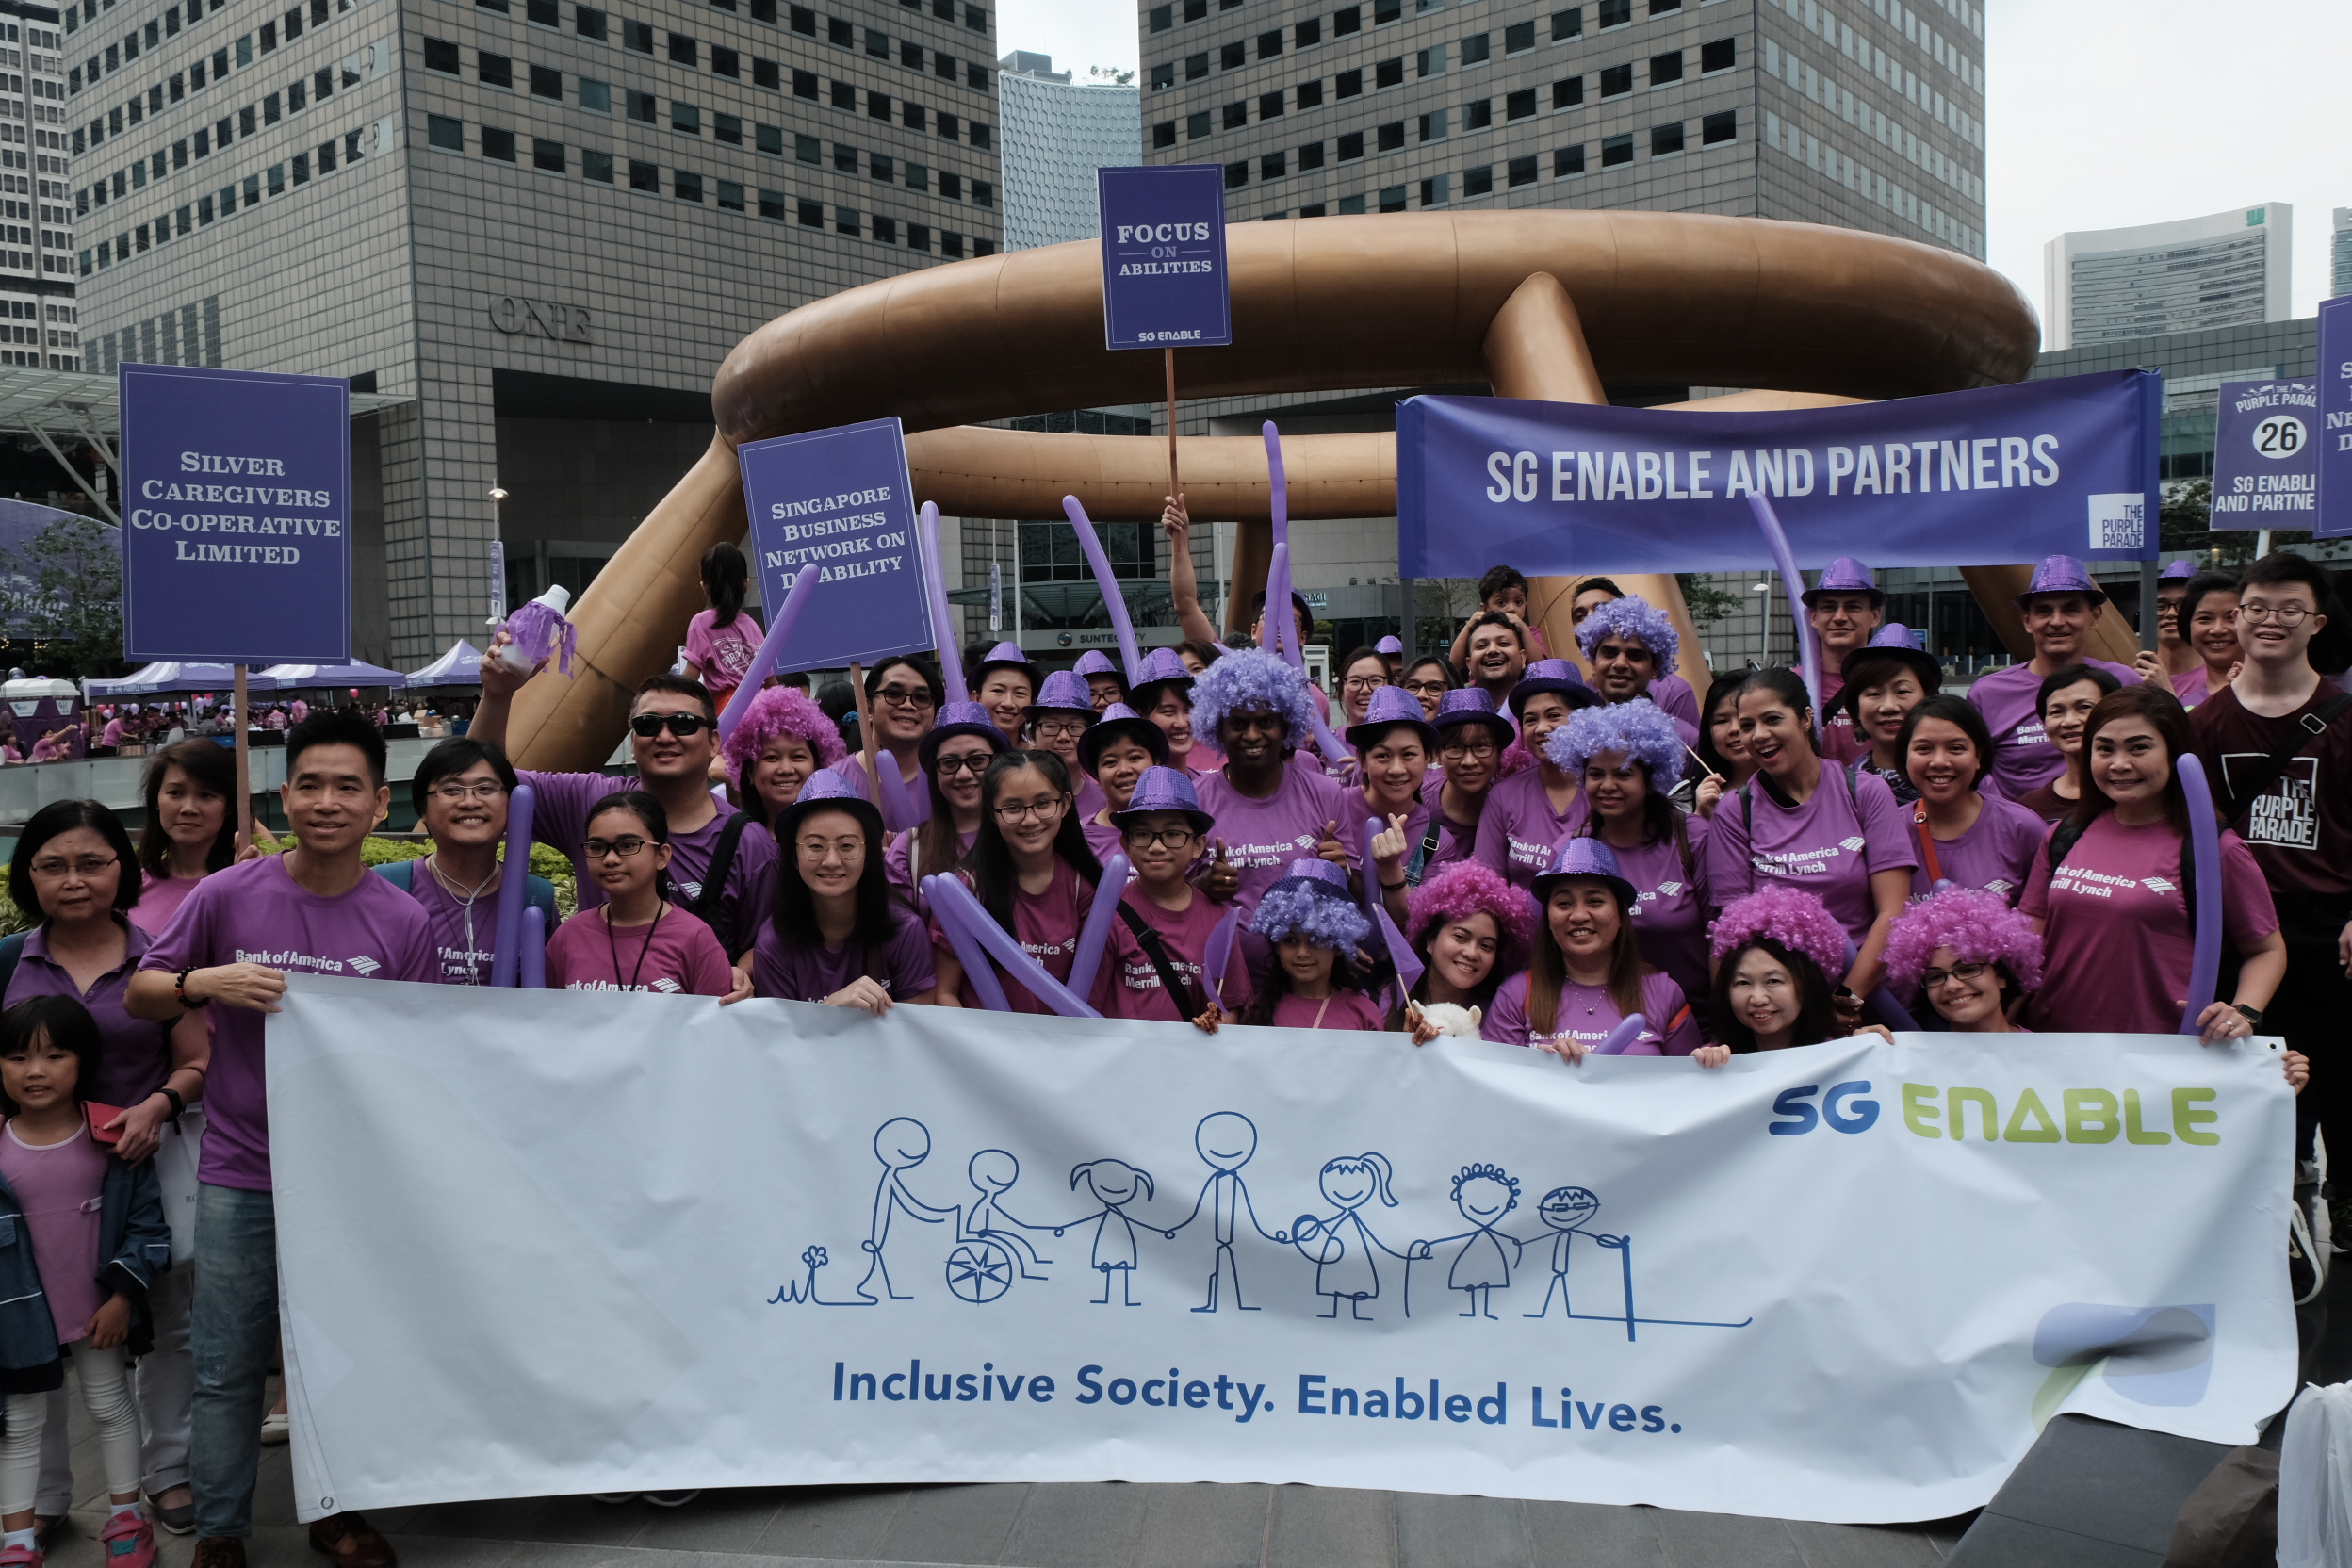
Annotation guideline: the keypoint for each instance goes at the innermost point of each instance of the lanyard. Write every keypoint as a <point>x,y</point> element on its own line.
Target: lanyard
<point>612,943</point>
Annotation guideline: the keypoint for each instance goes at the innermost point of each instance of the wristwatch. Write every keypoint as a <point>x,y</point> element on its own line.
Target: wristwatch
<point>2251,1014</point>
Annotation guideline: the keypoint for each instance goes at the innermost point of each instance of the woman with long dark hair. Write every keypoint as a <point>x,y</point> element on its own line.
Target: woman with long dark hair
<point>721,641</point>
<point>1720,746</point>
<point>955,753</point>
<point>1586,974</point>
<point>835,934</point>
<point>191,795</point>
<point>2108,890</point>
<point>1471,930</point>
<point>1032,872</point>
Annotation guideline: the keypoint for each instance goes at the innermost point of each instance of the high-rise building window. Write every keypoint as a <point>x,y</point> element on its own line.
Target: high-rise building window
<point>1520,104</point>
<point>1616,150</point>
<point>686,185</point>
<point>497,144</point>
<point>1237,173</point>
<point>1567,161</point>
<point>1392,135</point>
<point>1616,80</point>
<point>772,206</point>
<point>1309,95</point>
<point>596,166</point>
<point>730,196</point>
<point>644,176</point>
<point>1719,127</point>
<point>1233,57</point>
<point>1164,135</point>
<point>441,54</point>
<point>1307,34</point>
<point>848,220</point>
<point>1474,49</point>
<point>1479,181</point>
<point>494,69</point>
<point>1665,139</point>
<point>547,82</point>
<point>1567,92</point>
<point>1196,127</point>
<point>1666,67</point>
<point>442,132</point>
<point>1616,13</point>
<point>547,155</point>
<point>1392,198</point>
<point>1311,157</point>
<point>1351,146</point>
<point>1521,171</point>
<point>1718,56</point>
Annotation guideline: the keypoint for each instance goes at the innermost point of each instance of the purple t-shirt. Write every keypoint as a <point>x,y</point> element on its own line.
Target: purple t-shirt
<point>810,971</point>
<point>460,958</point>
<point>256,913</point>
<point>2023,759</point>
<point>2116,943</point>
<point>676,955</point>
<point>1263,836</point>
<point>1670,909</point>
<point>723,653</point>
<point>1456,840</point>
<point>1995,854</point>
<point>1103,838</point>
<point>1137,991</point>
<point>1829,846</point>
<point>898,861</point>
<point>1046,925</point>
<point>58,1185</point>
<point>2190,686</point>
<point>1518,829</point>
<point>560,818</point>
<point>160,899</point>
<point>135,1053</point>
<point>1673,694</point>
<point>1585,1013</point>
<point>1342,1009</point>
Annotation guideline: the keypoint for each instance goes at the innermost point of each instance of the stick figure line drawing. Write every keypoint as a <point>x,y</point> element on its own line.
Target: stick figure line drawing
<point>1114,1184</point>
<point>1566,1211</point>
<point>1225,1141</point>
<point>901,1144</point>
<point>993,1171</point>
<point>1484,1194</point>
<point>1341,1246</point>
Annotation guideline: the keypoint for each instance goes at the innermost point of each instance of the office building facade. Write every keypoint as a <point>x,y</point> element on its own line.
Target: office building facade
<point>1055,135</point>
<point>2223,269</point>
<point>544,222</point>
<point>37,325</point>
<point>2339,255</point>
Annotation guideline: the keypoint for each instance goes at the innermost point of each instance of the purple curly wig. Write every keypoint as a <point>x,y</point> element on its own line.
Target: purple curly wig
<point>783,711</point>
<point>1325,919</point>
<point>1792,917</point>
<point>1252,678</point>
<point>1637,617</point>
<point>1466,888</point>
<point>1640,728</point>
<point>1978,926</point>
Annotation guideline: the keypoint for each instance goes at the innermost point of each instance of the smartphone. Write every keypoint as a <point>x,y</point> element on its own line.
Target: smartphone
<point>99,1116</point>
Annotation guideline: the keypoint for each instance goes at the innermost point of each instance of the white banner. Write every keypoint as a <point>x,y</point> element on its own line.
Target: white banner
<point>539,1242</point>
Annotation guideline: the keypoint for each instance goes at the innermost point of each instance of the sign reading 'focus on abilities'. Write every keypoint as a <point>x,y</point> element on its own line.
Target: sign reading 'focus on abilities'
<point>1164,257</point>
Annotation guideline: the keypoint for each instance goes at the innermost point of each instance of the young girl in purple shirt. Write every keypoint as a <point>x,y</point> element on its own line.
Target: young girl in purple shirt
<point>1031,869</point>
<point>954,754</point>
<point>1315,928</point>
<point>834,933</point>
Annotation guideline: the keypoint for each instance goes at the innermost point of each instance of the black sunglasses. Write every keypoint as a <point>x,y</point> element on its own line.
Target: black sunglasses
<point>680,725</point>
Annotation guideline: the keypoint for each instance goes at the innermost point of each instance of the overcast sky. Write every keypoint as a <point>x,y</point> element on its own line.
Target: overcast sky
<point>2102,114</point>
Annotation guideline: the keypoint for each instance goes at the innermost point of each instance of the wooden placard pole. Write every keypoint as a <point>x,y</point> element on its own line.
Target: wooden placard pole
<point>865,732</point>
<point>244,774</point>
<point>1174,488</point>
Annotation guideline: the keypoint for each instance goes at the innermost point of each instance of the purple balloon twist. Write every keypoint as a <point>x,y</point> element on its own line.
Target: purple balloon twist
<point>903,806</point>
<point>533,960</point>
<point>1097,931</point>
<point>1793,583</point>
<point>513,890</point>
<point>1620,1039</point>
<point>1217,957</point>
<point>1114,602</point>
<point>951,899</point>
<point>976,966</point>
<point>2205,863</point>
<point>935,585</point>
<point>795,600</point>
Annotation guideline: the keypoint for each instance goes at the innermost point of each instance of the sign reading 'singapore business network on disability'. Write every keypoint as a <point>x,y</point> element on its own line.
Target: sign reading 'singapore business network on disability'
<point>1164,257</point>
<point>839,500</point>
<point>236,505</point>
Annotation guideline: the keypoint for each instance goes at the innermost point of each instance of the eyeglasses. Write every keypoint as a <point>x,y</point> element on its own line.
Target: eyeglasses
<point>976,764</point>
<point>1480,749</point>
<point>2285,614</point>
<point>1038,809</point>
<point>848,849</point>
<point>905,696</point>
<point>1059,730</point>
<point>626,847</point>
<point>1427,688</point>
<point>88,865</point>
<point>1362,683</point>
<point>481,788</point>
<point>1148,838</point>
<point>1934,979</point>
<point>683,726</point>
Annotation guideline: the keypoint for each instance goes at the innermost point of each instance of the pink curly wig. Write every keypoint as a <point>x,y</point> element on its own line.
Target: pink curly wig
<point>1792,917</point>
<point>1978,926</point>
<point>1517,758</point>
<point>783,711</point>
<point>1638,618</point>
<point>1467,888</point>
<point>1252,678</point>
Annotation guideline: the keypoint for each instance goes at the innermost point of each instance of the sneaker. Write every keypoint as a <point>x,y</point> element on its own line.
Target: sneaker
<point>21,1557</point>
<point>179,1520</point>
<point>128,1542</point>
<point>219,1551</point>
<point>275,1428</point>
<point>672,1499</point>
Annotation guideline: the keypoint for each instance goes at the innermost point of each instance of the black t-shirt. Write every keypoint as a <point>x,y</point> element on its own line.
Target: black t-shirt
<point>2300,827</point>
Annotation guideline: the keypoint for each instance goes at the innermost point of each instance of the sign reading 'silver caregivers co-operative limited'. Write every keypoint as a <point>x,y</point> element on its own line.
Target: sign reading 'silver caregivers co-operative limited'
<point>1164,257</point>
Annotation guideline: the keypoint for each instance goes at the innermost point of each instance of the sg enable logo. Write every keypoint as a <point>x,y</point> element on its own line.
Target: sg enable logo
<point>1930,1111</point>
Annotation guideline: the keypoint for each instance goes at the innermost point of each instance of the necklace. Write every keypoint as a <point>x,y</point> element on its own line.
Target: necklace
<point>432,864</point>
<point>612,943</point>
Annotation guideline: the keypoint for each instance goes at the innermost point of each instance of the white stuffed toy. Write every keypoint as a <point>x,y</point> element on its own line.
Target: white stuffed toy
<point>1442,1017</point>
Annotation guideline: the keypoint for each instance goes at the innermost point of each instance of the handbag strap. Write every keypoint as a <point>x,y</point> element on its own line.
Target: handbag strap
<point>2309,728</point>
<point>1927,844</point>
<point>1172,978</point>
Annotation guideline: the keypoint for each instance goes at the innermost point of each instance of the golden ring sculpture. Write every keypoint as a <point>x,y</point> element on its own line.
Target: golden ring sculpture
<point>1538,303</point>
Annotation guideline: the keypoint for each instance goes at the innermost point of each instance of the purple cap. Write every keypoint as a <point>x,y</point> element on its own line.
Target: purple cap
<point>1584,858</point>
<point>1392,705</point>
<point>1389,645</point>
<point>1845,575</point>
<point>1318,876</point>
<point>1471,705</point>
<point>1551,675</point>
<point>827,787</point>
<point>1004,655</point>
<point>1903,644</point>
<point>959,718</point>
<point>1115,721</point>
<point>2062,574</point>
<point>1165,790</point>
<point>1095,662</point>
<point>1065,691</point>
<point>2177,571</point>
<point>1161,667</point>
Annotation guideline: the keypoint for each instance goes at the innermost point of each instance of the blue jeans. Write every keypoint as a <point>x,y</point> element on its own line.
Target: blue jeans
<point>233,1333</point>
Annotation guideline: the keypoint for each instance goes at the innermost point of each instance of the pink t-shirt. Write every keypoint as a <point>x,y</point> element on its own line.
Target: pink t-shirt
<point>1137,991</point>
<point>1829,846</point>
<point>560,818</point>
<point>2023,759</point>
<point>58,1185</point>
<point>1518,829</point>
<point>1103,838</point>
<point>1995,854</point>
<point>2189,686</point>
<point>898,861</point>
<point>1585,1013</point>
<point>722,653</point>
<point>1342,1009</point>
<point>1046,925</point>
<point>1263,836</point>
<point>1456,840</point>
<point>257,913</point>
<point>2116,939</point>
<point>675,954</point>
<point>112,734</point>
<point>160,899</point>
<point>1670,909</point>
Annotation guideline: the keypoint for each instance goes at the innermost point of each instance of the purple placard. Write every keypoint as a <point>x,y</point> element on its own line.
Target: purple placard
<point>2335,419</point>
<point>1569,488</point>
<point>236,499</point>
<point>2266,456</point>
<point>840,498</point>
<point>1164,257</point>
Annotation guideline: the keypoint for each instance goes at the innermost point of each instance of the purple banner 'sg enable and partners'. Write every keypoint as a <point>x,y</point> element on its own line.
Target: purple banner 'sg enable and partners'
<point>2266,456</point>
<point>236,503</point>
<point>1164,257</point>
<point>1999,475</point>
<point>2335,419</point>
<point>839,498</point>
